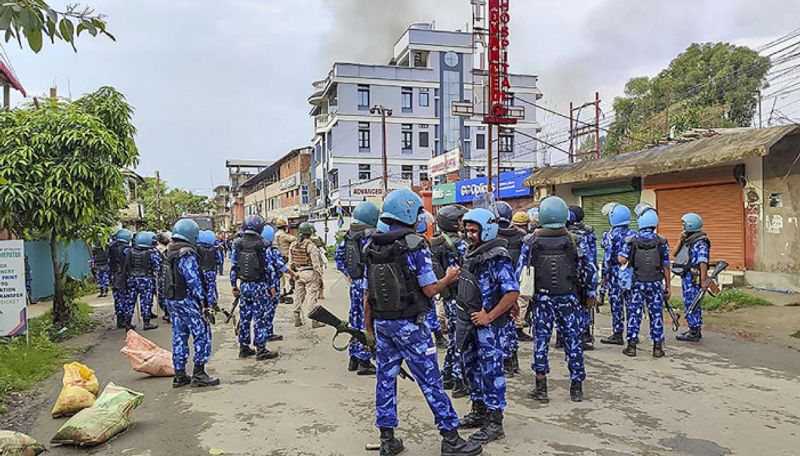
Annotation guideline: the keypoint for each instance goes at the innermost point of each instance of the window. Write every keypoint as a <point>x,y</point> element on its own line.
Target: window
<point>363,136</point>
<point>506,142</point>
<point>329,140</point>
<point>363,97</point>
<point>407,94</point>
<point>509,102</point>
<point>424,98</point>
<point>436,102</point>
<point>480,141</point>
<point>408,172</point>
<point>480,171</point>
<point>424,140</point>
<point>423,173</point>
<point>364,172</point>
<point>407,135</point>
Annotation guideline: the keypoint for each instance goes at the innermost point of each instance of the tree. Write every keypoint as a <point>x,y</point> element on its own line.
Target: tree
<point>33,19</point>
<point>63,163</point>
<point>710,85</point>
<point>163,206</point>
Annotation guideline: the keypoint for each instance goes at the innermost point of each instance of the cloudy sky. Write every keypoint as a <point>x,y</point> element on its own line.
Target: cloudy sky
<point>213,80</point>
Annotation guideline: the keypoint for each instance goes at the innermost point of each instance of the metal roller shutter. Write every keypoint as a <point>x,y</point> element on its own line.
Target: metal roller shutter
<point>722,209</point>
<point>592,208</point>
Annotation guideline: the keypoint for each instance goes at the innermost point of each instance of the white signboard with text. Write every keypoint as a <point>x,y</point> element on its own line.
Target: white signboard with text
<point>13,313</point>
<point>445,163</point>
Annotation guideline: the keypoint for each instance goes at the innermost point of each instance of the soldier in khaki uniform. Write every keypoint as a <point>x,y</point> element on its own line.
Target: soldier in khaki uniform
<point>283,240</point>
<point>306,260</point>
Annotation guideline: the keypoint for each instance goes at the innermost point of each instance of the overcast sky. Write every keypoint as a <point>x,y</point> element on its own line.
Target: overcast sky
<point>214,80</point>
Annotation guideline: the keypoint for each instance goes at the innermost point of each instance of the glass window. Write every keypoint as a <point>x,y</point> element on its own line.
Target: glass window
<point>451,127</point>
<point>423,177</point>
<point>408,172</point>
<point>424,98</point>
<point>509,100</point>
<point>424,139</point>
<point>407,137</point>
<point>407,94</point>
<point>506,142</point>
<point>363,97</point>
<point>480,171</point>
<point>480,141</point>
<point>329,140</point>
<point>363,136</point>
<point>364,172</point>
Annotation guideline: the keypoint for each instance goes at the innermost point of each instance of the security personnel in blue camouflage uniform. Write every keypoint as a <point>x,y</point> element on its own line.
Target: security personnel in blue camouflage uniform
<point>447,249</point>
<point>513,237</point>
<point>209,257</point>
<point>249,265</point>
<point>29,279</point>
<point>691,263</point>
<point>561,270</point>
<point>99,266</point>
<point>141,267</point>
<point>616,280</point>
<point>576,226</point>
<point>117,252</point>
<point>276,267</point>
<point>648,254</point>
<point>184,298</point>
<point>162,242</point>
<point>350,262</point>
<point>220,246</point>
<point>401,283</point>
<point>487,293</point>
<point>432,317</point>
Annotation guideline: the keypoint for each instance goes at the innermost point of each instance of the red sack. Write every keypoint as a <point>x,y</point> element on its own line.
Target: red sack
<point>147,357</point>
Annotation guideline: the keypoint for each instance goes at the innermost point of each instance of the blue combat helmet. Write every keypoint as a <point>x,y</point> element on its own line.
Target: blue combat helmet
<point>403,206</point>
<point>692,223</point>
<point>366,213</point>
<point>553,213</point>
<point>206,237</point>
<point>186,230</point>
<point>144,239</point>
<point>487,221</point>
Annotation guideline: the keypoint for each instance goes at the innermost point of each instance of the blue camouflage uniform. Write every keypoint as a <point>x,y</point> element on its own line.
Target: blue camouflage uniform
<point>357,287</point>
<point>452,359</point>
<point>563,311</point>
<point>650,292</point>
<point>210,279</point>
<point>698,253</point>
<point>405,339</point>
<point>29,279</point>
<point>187,318</point>
<point>276,268</point>
<point>121,293</point>
<point>220,246</point>
<point>144,288</point>
<point>590,252</point>
<point>253,303</point>
<point>618,283</point>
<point>484,346</point>
<point>101,274</point>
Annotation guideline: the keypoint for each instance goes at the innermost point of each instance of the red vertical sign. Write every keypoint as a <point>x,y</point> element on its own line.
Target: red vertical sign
<point>499,84</point>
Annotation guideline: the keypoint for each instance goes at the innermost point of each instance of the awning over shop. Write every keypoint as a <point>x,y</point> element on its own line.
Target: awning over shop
<point>726,146</point>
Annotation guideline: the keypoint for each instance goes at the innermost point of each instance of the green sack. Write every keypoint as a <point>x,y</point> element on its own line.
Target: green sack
<point>18,444</point>
<point>110,415</point>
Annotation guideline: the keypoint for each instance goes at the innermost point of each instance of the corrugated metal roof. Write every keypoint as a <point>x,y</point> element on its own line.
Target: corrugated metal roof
<point>727,146</point>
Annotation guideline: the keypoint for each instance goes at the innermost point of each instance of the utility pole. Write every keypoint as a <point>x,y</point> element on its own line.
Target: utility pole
<point>384,112</point>
<point>571,134</point>
<point>597,123</point>
<point>666,117</point>
<point>576,132</point>
<point>489,159</point>
<point>759,108</point>
<point>158,201</point>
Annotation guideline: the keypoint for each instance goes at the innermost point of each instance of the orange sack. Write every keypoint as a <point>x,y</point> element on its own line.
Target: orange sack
<point>147,357</point>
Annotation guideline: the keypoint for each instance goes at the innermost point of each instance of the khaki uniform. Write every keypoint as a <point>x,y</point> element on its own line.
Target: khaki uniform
<point>306,259</point>
<point>283,241</point>
<point>522,302</point>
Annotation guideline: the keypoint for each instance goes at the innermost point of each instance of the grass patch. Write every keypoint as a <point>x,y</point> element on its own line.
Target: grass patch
<point>23,365</point>
<point>796,335</point>
<point>727,300</point>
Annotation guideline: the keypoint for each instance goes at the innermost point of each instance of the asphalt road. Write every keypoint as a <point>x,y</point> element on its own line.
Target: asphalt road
<point>723,396</point>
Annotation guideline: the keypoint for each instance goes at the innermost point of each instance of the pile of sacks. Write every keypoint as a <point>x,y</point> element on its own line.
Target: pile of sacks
<point>147,357</point>
<point>78,391</point>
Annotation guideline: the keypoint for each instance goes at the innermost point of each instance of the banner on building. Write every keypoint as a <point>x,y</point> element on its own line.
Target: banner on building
<point>511,186</point>
<point>444,194</point>
<point>445,163</point>
<point>371,189</point>
<point>13,312</point>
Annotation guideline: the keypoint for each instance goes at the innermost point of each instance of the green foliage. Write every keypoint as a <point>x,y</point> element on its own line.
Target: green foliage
<point>796,335</point>
<point>710,85</point>
<point>727,300</point>
<point>35,19</point>
<point>163,206</point>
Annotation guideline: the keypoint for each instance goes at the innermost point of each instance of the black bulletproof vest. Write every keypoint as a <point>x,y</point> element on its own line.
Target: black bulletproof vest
<point>441,250</point>
<point>138,262</point>
<point>353,248</point>
<point>207,257</point>
<point>469,298</point>
<point>116,256</point>
<point>174,282</point>
<point>554,257</point>
<point>394,292</point>
<point>250,262</point>
<point>100,256</point>
<point>683,260</point>
<point>646,259</point>
<point>514,237</point>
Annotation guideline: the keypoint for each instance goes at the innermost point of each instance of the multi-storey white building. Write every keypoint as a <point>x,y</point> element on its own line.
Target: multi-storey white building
<point>430,69</point>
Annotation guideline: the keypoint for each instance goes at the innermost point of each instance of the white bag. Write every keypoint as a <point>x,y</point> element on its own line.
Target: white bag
<point>527,282</point>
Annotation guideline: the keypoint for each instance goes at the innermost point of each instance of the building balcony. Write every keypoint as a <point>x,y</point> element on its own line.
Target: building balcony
<point>322,121</point>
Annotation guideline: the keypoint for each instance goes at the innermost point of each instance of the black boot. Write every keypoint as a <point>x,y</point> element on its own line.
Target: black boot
<point>352,365</point>
<point>615,339</point>
<point>201,379</point>
<point>576,391</point>
<point>693,335</point>
<point>180,379</point>
<point>165,319</point>
<point>245,351</point>
<point>522,336</point>
<point>120,322</point>
<point>147,326</point>
<point>515,362</point>
<point>441,340</point>
<point>390,446</point>
<point>365,367</point>
<point>559,341</point>
<point>630,350</point>
<point>539,392</point>
<point>492,430</point>
<point>460,389</point>
<point>454,445</point>
<point>476,418</point>
<point>508,367</point>
<point>262,354</point>
<point>274,338</point>
<point>129,324</point>
<point>658,351</point>
<point>447,380</point>
<point>588,341</point>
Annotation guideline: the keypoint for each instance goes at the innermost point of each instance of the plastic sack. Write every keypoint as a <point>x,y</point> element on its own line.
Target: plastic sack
<point>18,444</point>
<point>147,357</point>
<point>79,390</point>
<point>110,415</point>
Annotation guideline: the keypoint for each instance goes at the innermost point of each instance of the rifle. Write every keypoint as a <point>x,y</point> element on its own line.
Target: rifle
<point>322,315</point>
<point>721,266</point>
<point>229,313</point>
<point>675,316</point>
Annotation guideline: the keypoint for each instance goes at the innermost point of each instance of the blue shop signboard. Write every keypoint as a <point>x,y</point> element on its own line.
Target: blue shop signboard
<point>511,186</point>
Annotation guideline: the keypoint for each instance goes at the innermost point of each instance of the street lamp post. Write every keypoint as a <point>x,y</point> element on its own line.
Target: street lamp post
<point>384,112</point>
